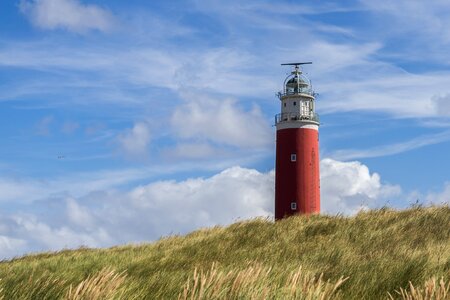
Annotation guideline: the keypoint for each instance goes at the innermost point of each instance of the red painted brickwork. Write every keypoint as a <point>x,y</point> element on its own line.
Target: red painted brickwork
<point>297,181</point>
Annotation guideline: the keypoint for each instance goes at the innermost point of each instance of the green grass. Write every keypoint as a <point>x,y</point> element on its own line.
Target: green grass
<point>364,257</point>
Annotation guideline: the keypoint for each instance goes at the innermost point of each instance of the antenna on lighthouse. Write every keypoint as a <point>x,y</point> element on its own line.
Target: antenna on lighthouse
<point>297,68</point>
<point>297,64</point>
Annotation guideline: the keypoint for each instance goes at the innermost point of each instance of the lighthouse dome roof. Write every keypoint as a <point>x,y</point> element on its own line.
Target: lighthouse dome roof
<point>298,79</point>
<point>297,84</point>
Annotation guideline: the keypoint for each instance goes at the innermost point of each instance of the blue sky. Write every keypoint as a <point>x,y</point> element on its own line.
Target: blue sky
<point>122,121</point>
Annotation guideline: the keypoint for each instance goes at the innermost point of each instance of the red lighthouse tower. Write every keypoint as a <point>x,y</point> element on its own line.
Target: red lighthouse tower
<point>297,182</point>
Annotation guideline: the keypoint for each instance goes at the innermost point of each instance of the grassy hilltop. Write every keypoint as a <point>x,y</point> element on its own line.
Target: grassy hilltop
<point>334,257</point>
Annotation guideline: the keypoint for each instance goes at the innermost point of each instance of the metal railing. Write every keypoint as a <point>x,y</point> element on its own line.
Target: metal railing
<point>286,117</point>
<point>307,91</point>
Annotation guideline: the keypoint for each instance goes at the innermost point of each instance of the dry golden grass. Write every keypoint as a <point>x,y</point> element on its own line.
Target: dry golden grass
<point>432,290</point>
<point>256,282</point>
<point>102,286</point>
<point>36,286</point>
<point>2,297</point>
<point>379,251</point>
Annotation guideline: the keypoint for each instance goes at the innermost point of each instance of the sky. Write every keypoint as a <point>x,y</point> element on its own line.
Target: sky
<point>125,121</point>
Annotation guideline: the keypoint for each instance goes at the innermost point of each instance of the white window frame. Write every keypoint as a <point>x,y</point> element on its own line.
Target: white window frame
<point>305,108</point>
<point>293,157</point>
<point>293,206</point>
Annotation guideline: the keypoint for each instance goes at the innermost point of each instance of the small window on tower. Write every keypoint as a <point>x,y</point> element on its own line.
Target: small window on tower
<point>284,104</point>
<point>293,157</point>
<point>293,205</point>
<point>295,103</point>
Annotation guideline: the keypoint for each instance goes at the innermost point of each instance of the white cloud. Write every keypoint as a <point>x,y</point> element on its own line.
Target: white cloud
<point>382,88</point>
<point>216,70</point>
<point>234,193</point>
<point>364,83</point>
<point>333,57</point>
<point>67,14</point>
<point>78,214</point>
<point>36,235</point>
<point>439,198</point>
<point>19,189</point>
<point>144,213</point>
<point>426,20</point>
<point>441,104</point>
<point>351,74</point>
<point>223,70</point>
<point>135,141</point>
<point>347,187</point>
<point>385,150</point>
<point>27,190</point>
<point>10,247</point>
<point>221,121</point>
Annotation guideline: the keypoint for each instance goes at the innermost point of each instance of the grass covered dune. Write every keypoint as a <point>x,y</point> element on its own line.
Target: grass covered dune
<point>365,256</point>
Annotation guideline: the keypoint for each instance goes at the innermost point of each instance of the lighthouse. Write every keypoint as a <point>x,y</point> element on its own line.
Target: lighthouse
<point>297,179</point>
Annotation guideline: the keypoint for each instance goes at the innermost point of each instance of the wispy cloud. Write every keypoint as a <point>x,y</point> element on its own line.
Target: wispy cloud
<point>21,190</point>
<point>425,20</point>
<point>43,126</point>
<point>67,14</point>
<point>70,127</point>
<point>441,104</point>
<point>192,150</point>
<point>366,81</point>
<point>385,150</point>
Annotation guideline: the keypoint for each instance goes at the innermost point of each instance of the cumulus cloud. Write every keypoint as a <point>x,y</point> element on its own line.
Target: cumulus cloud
<point>221,121</point>
<point>347,187</point>
<point>78,214</point>
<point>134,142</point>
<point>37,235</point>
<point>71,15</point>
<point>142,214</point>
<point>108,217</point>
